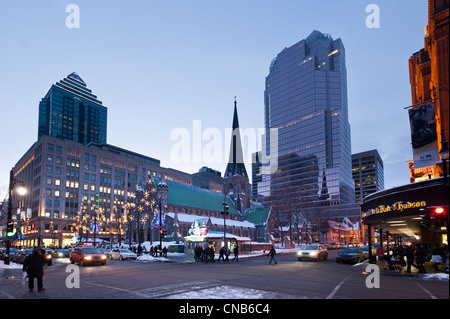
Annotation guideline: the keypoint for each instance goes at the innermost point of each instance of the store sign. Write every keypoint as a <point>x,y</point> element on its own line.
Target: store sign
<point>424,136</point>
<point>396,207</point>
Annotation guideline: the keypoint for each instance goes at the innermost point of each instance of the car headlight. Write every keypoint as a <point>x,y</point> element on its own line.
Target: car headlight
<point>313,253</point>
<point>48,256</point>
<point>103,257</point>
<point>88,257</point>
<point>60,254</point>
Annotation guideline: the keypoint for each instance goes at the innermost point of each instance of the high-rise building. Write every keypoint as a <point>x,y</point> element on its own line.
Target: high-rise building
<point>306,102</point>
<point>70,111</point>
<point>368,173</point>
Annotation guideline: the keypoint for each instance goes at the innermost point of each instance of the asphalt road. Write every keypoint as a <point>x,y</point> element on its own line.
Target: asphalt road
<point>252,278</point>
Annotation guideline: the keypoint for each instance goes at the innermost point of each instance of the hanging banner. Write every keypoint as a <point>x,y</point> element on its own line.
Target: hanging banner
<point>156,221</point>
<point>95,228</point>
<point>423,136</point>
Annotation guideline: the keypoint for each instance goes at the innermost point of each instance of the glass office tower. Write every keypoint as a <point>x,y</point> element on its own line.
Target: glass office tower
<point>306,101</point>
<point>69,110</point>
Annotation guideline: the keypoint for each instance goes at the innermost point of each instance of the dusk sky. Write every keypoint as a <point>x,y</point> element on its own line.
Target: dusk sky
<point>159,65</point>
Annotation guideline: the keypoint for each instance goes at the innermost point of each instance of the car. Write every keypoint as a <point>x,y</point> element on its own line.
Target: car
<point>315,252</point>
<point>122,254</point>
<point>3,252</point>
<point>104,251</point>
<point>47,253</point>
<point>60,253</point>
<point>24,253</point>
<point>16,255</point>
<point>87,255</point>
<point>350,255</point>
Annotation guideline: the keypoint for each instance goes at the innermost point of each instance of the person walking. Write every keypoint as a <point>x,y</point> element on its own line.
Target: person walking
<point>436,257</point>
<point>33,265</point>
<point>421,255</point>
<point>211,254</point>
<point>272,254</point>
<point>227,254</point>
<point>236,253</point>
<point>409,253</point>
<point>221,254</point>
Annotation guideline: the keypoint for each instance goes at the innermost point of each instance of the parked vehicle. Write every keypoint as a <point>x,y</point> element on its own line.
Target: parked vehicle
<point>15,257</point>
<point>24,253</point>
<point>3,252</point>
<point>61,253</point>
<point>351,255</point>
<point>122,254</point>
<point>314,252</point>
<point>87,255</point>
<point>104,251</point>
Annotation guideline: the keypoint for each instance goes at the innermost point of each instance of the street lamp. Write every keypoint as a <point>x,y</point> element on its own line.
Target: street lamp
<point>10,225</point>
<point>225,212</point>
<point>444,155</point>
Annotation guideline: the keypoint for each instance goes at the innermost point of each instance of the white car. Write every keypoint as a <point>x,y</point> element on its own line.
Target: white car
<point>314,252</point>
<point>122,254</point>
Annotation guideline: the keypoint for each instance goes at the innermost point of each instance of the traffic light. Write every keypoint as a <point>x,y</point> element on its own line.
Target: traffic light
<point>226,208</point>
<point>437,216</point>
<point>162,233</point>
<point>10,229</point>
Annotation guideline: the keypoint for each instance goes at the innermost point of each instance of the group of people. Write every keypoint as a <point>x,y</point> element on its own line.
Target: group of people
<point>416,255</point>
<point>208,254</point>
<point>154,250</point>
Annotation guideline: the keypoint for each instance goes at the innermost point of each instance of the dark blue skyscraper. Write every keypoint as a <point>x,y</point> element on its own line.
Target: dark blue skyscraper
<point>306,101</point>
<point>69,110</point>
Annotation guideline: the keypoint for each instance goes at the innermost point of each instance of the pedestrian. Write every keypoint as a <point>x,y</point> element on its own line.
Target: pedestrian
<point>221,254</point>
<point>206,255</point>
<point>227,254</point>
<point>409,253</point>
<point>155,251</point>
<point>164,251</point>
<point>139,250</point>
<point>33,265</point>
<point>151,250</point>
<point>211,254</point>
<point>272,254</point>
<point>380,252</point>
<point>436,258</point>
<point>421,255</point>
<point>236,253</point>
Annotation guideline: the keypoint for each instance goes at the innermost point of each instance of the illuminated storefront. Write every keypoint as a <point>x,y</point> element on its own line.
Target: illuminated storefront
<point>407,213</point>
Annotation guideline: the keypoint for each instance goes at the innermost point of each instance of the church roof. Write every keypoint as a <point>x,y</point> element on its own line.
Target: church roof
<point>184,195</point>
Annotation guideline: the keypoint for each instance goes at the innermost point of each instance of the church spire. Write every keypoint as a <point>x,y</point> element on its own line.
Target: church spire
<point>236,160</point>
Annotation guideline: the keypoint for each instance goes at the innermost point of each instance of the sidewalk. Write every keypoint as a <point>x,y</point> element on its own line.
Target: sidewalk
<point>430,272</point>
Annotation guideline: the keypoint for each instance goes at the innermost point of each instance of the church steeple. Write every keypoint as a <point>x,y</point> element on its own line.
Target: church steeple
<point>236,160</point>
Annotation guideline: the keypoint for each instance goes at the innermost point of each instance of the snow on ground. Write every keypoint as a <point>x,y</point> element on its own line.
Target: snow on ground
<point>225,292</point>
<point>11,265</point>
<point>438,276</point>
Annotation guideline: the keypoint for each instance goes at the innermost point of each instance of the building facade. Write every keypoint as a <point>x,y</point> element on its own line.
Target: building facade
<point>368,173</point>
<point>70,111</point>
<point>429,79</point>
<point>306,103</point>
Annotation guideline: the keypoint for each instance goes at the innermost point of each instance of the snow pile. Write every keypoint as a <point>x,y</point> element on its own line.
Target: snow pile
<point>438,276</point>
<point>10,266</point>
<point>150,258</point>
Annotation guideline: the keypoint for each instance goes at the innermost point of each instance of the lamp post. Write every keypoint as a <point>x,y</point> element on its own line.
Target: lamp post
<point>10,225</point>
<point>225,212</point>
